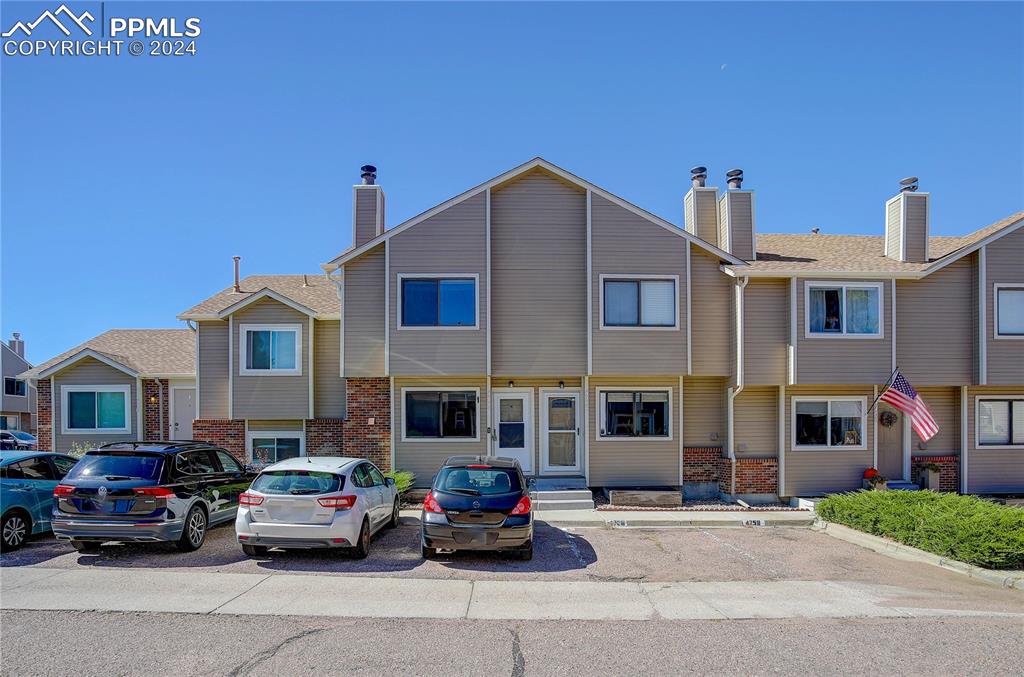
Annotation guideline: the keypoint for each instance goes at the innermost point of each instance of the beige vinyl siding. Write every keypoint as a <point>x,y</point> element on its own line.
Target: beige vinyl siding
<point>705,205</point>
<point>935,334</point>
<point>843,359</point>
<point>328,386</point>
<point>765,331</point>
<point>893,224</point>
<point>917,227</point>
<point>452,241</point>
<point>1005,264</point>
<point>623,243</point>
<point>91,372</point>
<point>704,409</point>
<point>757,422</point>
<point>991,470</point>
<point>364,314</point>
<point>741,224</point>
<point>274,426</point>
<point>817,472</point>
<point>365,214</point>
<point>538,264</point>
<point>944,403</point>
<point>975,319</point>
<point>212,376</point>
<point>424,458</point>
<point>634,463</point>
<point>270,397</point>
<point>711,303</point>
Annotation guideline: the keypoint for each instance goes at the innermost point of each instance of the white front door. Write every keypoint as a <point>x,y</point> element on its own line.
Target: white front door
<point>183,404</point>
<point>512,434</point>
<point>560,432</point>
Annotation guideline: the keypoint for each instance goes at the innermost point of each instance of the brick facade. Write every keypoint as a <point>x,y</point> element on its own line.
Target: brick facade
<point>949,475</point>
<point>224,433</point>
<point>700,464</point>
<point>753,475</point>
<point>325,437</point>
<point>151,406</point>
<point>44,415</point>
<point>368,399</point>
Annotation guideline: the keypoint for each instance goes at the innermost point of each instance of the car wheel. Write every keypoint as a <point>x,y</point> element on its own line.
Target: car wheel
<point>254,550</point>
<point>86,546</point>
<point>362,548</point>
<point>194,532</point>
<point>427,553</point>
<point>15,530</point>
<point>526,552</point>
<point>393,522</point>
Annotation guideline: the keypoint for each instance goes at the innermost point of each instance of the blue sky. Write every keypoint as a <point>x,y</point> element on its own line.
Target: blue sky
<point>129,182</point>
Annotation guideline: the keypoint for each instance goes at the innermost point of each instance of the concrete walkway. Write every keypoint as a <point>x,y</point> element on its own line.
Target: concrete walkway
<point>302,595</point>
<point>648,519</point>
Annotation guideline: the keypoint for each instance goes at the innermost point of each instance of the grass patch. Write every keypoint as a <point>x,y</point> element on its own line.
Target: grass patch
<point>964,528</point>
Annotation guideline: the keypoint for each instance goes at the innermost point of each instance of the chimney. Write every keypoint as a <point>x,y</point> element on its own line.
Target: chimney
<point>238,286</point>
<point>17,345</point>
<point>906,224</point>
<point>367,207</point>
<point>736,218</point>
<point>700,215</point>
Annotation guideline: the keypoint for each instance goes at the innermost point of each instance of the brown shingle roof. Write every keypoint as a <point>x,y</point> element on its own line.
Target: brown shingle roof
<point>854,253</point>
<point>311,291</point>
<point>147,351</point>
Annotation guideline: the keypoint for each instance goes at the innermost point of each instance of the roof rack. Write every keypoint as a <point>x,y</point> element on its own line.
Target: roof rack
<point>154,443</point>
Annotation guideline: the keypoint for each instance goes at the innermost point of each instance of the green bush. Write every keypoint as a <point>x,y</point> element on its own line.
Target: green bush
<point>403,479</point>
<point>964,528</point>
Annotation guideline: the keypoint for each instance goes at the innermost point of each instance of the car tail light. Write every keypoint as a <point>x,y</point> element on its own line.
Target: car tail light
<point>155,492</point>
<point>430,504</point>
<point>522,507</point>
<point>63,490</point>
<point>337,502</point>
<point>246,498</point>
<point>479,467</point>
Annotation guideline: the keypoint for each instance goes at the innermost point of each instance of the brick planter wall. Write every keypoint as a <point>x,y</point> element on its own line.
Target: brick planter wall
<point>44,416</point>
<point>366,399</point>
<point>700,464</point>
<point>224,433</point>
<point>325,437</point>
<point>753,475</point>
<point>949,475</point>
<point>151,389</point>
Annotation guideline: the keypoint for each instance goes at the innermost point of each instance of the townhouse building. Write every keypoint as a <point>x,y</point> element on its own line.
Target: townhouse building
<point>18,399</point>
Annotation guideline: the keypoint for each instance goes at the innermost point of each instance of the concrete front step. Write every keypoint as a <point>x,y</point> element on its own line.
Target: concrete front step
<point>562,495</point>
<point>564,504</point>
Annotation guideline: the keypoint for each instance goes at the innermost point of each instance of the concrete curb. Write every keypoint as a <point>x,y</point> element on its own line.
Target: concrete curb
<point>889,548</point>
<point>756,520</point>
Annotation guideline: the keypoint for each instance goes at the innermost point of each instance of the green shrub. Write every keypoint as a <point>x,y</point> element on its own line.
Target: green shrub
<point>964,528</point>
<point>78,449</point>
<point>403,479</point>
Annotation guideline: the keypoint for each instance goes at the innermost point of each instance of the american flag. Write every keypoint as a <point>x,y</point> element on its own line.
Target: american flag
<point>902,395</point>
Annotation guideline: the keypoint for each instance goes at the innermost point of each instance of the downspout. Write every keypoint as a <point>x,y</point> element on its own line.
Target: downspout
<point>741,284</point>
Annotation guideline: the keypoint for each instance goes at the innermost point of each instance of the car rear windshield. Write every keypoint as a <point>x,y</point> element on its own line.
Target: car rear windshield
<point>298,482</point>
<point>478,481</point>
<point>117,466</point>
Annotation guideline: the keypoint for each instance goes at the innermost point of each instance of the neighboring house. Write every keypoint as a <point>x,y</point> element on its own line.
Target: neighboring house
<point>269,376</point>
<point>125,384</point>
<point>18,406</point>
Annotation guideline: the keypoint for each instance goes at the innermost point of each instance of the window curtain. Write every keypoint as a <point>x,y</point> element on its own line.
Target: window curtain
<point>847,419</point>
<point>817,310</point>
<point>862,311</point>
<point>659,302</point>
<point>282,352</point>
<point>110,410</point>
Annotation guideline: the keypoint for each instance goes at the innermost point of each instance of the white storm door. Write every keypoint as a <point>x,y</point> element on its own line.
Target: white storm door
<point>513,427</point>
<point>560,432</point>
<point>184,401</point>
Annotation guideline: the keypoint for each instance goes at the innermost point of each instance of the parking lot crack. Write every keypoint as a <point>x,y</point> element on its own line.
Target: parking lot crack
<point>247,590</point>
<point>247,667</point>
<point>518,660</point>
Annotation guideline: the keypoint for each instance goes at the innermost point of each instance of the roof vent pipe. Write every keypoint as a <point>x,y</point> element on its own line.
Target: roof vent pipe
<point>908,185</point>
<point>734,177</point>
<point>238,287</point>
<point>368,175</point>
<point>815,231</point>
<point>698,175</point>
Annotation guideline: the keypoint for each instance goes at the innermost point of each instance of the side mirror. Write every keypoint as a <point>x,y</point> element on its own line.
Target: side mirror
<point>390,481</point>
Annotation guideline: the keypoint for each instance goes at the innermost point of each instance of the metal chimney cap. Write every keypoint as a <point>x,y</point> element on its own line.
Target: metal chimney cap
<point>16,335</point>
<point>699,170</point>
<point>368,174</point>
<point>815,231</point>
<point>909,181</point>
<point>732,173</point>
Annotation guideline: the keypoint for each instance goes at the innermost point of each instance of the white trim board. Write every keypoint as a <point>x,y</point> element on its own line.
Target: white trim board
<point>81,355</point>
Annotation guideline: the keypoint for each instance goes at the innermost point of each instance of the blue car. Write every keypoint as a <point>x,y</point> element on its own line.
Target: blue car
<point>27,481</point>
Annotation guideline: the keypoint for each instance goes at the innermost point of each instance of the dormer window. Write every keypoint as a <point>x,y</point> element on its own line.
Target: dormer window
<point>846,310</point>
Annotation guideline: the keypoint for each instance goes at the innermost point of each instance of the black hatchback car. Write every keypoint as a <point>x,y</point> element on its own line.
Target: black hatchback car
<point>148,492</point>
<point>478,503</point>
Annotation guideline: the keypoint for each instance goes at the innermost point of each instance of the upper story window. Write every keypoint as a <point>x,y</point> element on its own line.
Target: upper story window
<point>14,386</point>
<point>1000,422</point>
<point>839,309</point>
<point>635,302</point>
<point>636,413</point>
<point>270,349</point>
<point>440,414</point>
<point>828,423</point>
<point>441,301</point>
<point>96,409</point>
<point>1009,310</point>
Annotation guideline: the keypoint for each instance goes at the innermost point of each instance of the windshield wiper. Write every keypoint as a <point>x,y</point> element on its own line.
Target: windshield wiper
<point>467,492</point>
<point>300,492</point>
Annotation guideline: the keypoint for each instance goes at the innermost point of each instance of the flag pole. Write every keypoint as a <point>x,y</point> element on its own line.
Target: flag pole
<point>884,388</point>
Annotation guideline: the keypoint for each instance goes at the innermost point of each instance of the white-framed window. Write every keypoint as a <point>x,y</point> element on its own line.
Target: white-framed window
<point>438,301</point>
<point>635,413</point>
<point>270,349</point>
<point>264,447</point>
<point>15,387</point>
<point>639,301</point>
<point>10,422</point>
<point>1009,310</point>
<point>829,423</point>
<point>96,410</point>
<point>450,414</point>
<point>844,309</point>
<point>999,422</point>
